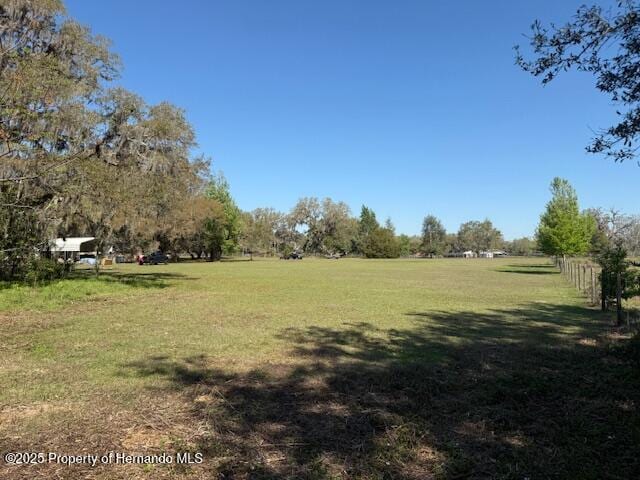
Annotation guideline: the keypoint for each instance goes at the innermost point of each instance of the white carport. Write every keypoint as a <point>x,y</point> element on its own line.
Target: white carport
<point>72,247</point>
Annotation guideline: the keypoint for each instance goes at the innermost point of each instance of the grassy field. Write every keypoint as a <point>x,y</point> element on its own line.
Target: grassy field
<point>318,369</point>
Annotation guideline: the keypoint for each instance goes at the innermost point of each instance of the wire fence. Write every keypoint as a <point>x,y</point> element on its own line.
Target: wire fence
<point>584,276</point>
<point>606,289</point>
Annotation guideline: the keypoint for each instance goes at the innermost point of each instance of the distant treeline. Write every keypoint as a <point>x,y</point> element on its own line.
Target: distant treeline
<point>326,227</point>
<point>83,157</point>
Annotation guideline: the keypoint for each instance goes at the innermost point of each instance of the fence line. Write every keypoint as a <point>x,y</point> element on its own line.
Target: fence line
<point>583,276</point>
<point>588,278</point>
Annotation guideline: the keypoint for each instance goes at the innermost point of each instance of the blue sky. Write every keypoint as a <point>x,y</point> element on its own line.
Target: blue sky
<point>410,107</point>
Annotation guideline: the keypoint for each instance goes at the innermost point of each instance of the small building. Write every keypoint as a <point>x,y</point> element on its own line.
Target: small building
<point>74,248</point>
<point>469,254</point>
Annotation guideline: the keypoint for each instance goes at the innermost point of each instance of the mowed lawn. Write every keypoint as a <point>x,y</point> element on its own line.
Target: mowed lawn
<point>318,369</point>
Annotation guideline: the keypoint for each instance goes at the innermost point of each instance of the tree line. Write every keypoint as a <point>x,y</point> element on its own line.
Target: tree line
<point>81,156</point>
<point>327,227</point>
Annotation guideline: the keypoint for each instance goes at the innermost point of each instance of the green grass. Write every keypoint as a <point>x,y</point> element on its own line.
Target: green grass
<point>77,288</point>
<point>318,369</point>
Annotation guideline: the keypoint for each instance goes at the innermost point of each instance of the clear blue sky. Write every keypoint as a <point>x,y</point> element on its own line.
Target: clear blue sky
<point>410,107</point>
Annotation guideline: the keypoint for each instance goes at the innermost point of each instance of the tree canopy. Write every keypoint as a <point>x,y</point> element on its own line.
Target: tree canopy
<point>79,155</point>
<point>563,230</point>
<point>605,44</point>
<point>433,236</point>
<point>479,236</point>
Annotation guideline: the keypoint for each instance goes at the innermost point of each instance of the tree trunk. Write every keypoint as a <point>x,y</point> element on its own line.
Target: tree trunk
<point>619,298</point>
<point>603,290</point>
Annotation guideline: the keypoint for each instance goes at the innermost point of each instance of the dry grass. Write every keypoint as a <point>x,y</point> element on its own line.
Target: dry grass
<point>320,370</point>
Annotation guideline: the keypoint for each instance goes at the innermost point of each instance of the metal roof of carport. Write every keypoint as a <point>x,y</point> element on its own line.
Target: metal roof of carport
<point>74,244</point>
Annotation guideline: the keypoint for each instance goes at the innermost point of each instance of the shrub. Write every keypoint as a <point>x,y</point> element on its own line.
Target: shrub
<point>44,270</point>
<point>381,243</point>
<point>287,250</point>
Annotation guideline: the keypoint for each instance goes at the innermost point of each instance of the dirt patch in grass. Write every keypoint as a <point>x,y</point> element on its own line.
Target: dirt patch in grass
<point>138,439</point>
<point>18,414</point>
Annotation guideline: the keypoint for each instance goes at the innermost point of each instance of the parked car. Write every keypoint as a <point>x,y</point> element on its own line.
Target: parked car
<point>153,258</point>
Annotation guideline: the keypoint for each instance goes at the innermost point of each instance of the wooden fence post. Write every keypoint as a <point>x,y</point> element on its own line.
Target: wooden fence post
<point>593,287</point>
<point>573,273</point>
<point>570,271</point>
<point>578,268</point>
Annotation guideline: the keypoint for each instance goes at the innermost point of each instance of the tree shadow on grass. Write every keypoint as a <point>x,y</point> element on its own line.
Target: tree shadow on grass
<point>206,261</point>
<point>547,269</point>
<point>502,394</point>
<point>530,265</point>
<point>137,280</point>
<point>528,272</point>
